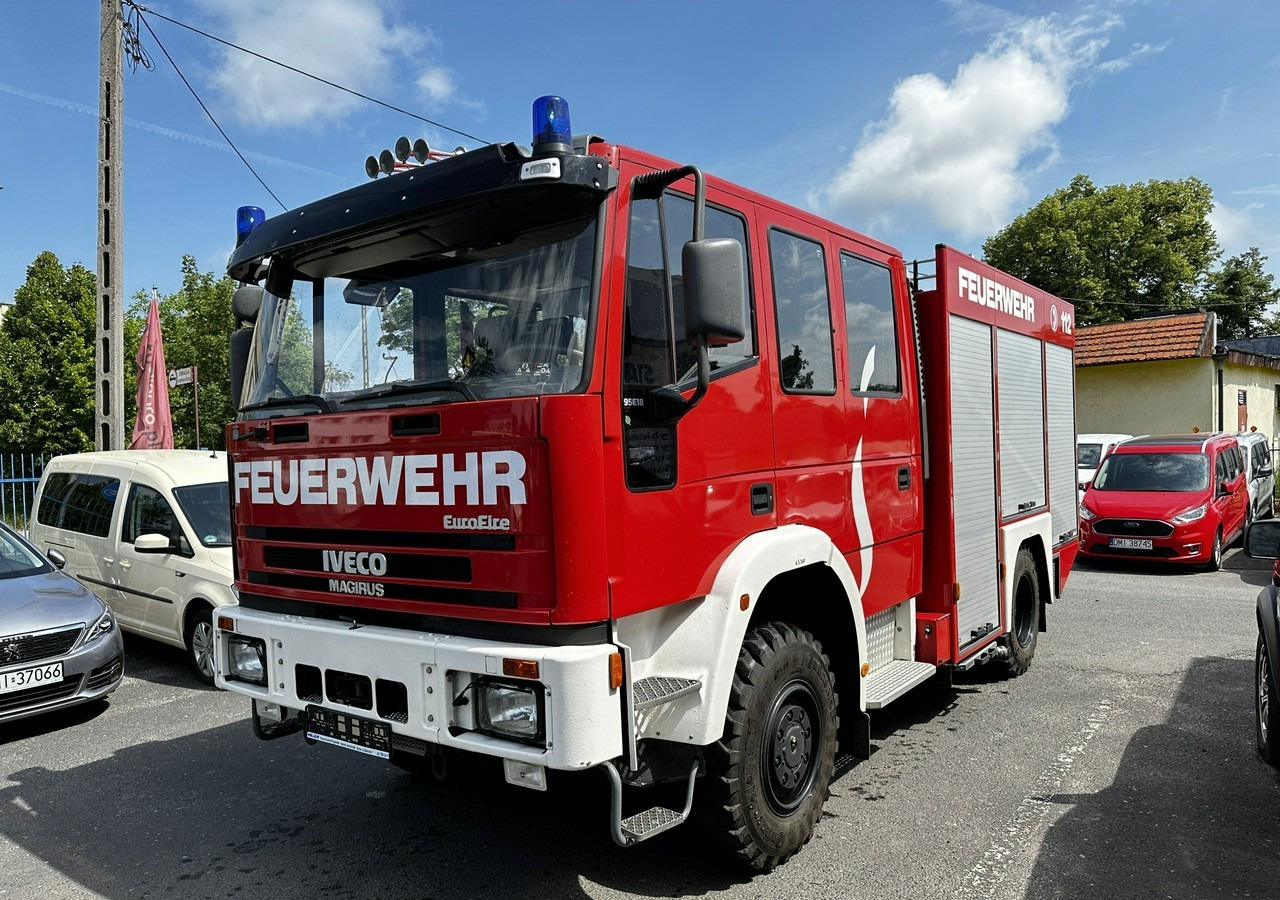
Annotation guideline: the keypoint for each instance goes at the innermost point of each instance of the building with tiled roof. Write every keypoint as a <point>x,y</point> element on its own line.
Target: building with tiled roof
<point>1169,374</point>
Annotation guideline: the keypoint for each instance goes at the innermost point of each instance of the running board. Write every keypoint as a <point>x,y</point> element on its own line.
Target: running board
<point>650,822</point>
<point>891,681</point>
<point>657,690</point>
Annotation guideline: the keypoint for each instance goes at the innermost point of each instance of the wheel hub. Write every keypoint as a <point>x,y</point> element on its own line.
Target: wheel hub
<point>794,732</point>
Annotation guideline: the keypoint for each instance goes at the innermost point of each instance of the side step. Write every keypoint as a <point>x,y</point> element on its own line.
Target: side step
<point>657,690</point>
<point>889,682</point>
<point>650,822</point>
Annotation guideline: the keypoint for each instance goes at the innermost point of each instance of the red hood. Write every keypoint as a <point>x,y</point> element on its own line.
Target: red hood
<point>1142,504</point>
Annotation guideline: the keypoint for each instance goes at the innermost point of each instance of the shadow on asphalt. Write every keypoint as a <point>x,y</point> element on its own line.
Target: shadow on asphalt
<point>1192,810</point>
<point>220,813</point>
<point>1256,572</point>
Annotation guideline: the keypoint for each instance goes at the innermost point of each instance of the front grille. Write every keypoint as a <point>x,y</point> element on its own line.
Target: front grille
<point>1133,527</point>
<point>410,539</point>
<point>386,590</point>
<point>399,565</point>
<point>38,696</point>
<point>30,648</point>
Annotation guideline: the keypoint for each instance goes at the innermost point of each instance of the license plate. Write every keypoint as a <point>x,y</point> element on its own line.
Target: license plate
<point>33,677</point>
<point>349,732</point>
<point>1131,543</point>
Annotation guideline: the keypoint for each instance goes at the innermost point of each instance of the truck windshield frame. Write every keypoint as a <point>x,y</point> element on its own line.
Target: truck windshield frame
<point>512,313</point>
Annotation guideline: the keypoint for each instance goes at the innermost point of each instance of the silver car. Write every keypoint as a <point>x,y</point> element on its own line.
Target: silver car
<point>59,643</point>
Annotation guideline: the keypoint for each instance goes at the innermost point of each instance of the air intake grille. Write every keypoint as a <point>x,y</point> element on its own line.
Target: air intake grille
<point>29,648</point>
<point>1133,527</point>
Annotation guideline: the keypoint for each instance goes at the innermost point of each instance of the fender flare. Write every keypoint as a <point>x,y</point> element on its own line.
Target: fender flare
<point>702,638</point>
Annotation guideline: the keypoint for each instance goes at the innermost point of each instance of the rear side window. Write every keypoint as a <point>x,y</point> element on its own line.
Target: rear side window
<point>870,328</point>
<point>81,503</point>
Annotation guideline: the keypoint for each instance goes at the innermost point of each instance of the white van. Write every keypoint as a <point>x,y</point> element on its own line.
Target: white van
<point>149,531</point>
<point>1091,449</point>
<point>1261,481</point>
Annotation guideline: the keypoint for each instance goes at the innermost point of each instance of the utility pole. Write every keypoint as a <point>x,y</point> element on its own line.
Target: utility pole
<point>109,349</point>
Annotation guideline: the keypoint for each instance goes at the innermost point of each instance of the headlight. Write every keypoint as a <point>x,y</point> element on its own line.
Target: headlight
<point>511,710</point>
<point>105,624</point>
<point>246,659</point>
<point>1087,514</point>
<point>1191,515</point>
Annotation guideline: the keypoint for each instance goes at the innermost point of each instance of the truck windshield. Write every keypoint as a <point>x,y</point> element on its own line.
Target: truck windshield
<point>508,319</point>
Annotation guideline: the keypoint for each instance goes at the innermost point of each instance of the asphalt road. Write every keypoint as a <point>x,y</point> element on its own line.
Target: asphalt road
<point>1122,765</point>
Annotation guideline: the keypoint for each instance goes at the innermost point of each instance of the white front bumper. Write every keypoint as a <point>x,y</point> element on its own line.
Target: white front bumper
<point>582,715</point>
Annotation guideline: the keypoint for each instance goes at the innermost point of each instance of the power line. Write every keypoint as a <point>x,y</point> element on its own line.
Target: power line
<point>276,62</point>
<point>225,136</point>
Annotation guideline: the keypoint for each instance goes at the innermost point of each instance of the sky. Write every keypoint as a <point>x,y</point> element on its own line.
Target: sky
<point>912,121</point>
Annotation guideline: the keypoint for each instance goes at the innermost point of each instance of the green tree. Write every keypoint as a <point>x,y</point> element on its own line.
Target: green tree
<point>1120,252</point>
<point>47,361</point>
<point>196,324</point>
<point>1240,293</point>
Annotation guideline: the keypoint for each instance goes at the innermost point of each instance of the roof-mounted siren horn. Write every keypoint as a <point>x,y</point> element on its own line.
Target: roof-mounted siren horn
<point>551,130</point>
<point>371,167</point>
<point>403,149</point>
<point>421,151</point>
<point>386,162</point>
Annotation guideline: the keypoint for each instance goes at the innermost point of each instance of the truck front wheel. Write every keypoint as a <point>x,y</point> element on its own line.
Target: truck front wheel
<point>770,771</point>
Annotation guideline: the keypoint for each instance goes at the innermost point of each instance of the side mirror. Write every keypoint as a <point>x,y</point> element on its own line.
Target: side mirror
<point>714,293</point>
<point>1264,472</point>
<point>246,302</point>
<point>1262,539</point>
<point>152,543</point>
<point>56,557</point>
<point>241,341</point>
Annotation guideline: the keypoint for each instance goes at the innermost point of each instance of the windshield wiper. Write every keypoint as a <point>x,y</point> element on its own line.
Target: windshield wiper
<point>315,400</point>
<point>417,387</point>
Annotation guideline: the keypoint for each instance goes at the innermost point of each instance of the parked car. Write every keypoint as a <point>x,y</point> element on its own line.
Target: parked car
<point>1259,474</point>
<point>1090,451</point>
<point>1176,498</point>
<point>1263,541</point>
<point>150,530</point>
<point>59,644</point>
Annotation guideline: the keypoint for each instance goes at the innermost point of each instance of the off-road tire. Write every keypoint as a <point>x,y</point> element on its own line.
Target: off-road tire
<point>1025,625</point>
<point>770,772</point>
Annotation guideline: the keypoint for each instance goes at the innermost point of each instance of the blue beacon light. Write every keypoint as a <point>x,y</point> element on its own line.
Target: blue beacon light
<point>551,130</point>
<point>247,219</point>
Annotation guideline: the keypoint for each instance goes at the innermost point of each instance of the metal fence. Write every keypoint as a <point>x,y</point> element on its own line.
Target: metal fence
<point>19,475</point>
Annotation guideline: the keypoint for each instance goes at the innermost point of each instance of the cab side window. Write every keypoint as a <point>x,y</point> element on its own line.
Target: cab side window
<point>803,308</point>
<point>148,512</point>
<point>82,503</point>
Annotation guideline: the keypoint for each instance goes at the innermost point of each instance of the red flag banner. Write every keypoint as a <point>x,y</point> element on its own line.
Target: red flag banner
<point>153,428</point>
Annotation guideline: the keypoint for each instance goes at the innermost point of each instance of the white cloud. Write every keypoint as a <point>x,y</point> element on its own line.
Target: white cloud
<point>354,43</point>
<point>960,152</point>
<point>1239,228</point>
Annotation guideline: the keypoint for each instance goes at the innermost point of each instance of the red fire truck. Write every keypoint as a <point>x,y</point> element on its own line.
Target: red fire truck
<point>576,458</point>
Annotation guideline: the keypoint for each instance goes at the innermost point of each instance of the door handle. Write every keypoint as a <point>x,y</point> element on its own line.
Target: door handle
<point>108,560</point>
<point>904,478</point>
<point>124,564</point>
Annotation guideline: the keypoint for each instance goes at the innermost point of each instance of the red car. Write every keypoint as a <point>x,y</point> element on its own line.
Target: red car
<point>1173,498</point>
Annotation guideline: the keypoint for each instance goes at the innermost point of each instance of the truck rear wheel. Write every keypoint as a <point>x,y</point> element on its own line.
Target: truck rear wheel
<point>1023,630</point>
<point>770,772</point>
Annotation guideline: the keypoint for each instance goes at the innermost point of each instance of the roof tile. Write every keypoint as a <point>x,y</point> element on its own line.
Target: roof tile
<point>1163,337</point>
